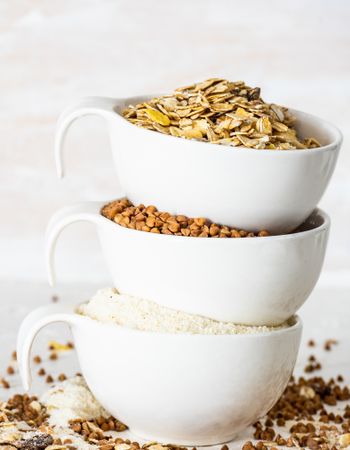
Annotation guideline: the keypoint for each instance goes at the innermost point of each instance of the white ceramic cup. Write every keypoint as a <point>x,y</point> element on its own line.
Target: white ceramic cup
<point>179,388</point>
<point>244,188</point>
<point>257,281</point>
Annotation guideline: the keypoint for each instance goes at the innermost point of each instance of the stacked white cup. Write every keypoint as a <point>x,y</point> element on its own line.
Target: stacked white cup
<point>199,389</point>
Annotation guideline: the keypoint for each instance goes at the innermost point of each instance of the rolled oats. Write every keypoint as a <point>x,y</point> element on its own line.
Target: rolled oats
<point>221,112</point>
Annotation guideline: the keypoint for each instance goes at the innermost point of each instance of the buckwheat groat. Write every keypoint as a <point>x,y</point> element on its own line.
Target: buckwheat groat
<point>148,218</point>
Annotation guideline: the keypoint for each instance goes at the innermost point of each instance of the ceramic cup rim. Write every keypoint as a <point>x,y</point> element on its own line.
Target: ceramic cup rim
<point>256,239</point>
<point>296,325</point>
<point>321,123</point>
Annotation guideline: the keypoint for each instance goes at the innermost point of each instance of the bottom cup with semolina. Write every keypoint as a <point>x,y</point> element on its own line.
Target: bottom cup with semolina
<point>168,375</point>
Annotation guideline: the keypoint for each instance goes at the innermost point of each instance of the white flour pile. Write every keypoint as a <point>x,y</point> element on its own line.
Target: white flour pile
<point>69,400</point>
<point>109,306</point>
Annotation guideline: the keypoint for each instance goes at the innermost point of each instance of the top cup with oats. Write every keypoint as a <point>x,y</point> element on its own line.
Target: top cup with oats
<point>215,149</point>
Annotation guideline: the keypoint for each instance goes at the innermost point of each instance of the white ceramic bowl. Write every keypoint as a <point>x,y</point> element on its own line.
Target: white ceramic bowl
<point>179,388</point>
<point>258,281</point>
<point>244,188</point>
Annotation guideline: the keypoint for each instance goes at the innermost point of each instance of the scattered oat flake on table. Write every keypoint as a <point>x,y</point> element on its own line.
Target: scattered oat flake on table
<point>54,345</point>
<point>221,112</point>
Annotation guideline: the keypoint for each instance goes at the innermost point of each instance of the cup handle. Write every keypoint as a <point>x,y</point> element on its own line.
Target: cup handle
<point>29,328</point>
<point>86,211</point>
<point>100,106</point>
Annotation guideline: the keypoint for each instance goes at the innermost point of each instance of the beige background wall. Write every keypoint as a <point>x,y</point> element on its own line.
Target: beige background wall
<point>52,52</point>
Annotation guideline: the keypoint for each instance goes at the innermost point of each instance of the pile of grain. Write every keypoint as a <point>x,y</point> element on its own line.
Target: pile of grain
<point>109,306</point>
